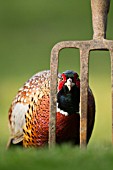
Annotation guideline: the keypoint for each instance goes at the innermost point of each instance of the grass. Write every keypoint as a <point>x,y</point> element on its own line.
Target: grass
<point>64,157</point>
<point>28,31</point>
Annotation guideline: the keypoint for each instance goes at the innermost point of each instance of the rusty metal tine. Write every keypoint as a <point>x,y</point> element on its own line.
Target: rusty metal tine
<point>111,55</point>
<point>84,58</point>
<point>53,97</point>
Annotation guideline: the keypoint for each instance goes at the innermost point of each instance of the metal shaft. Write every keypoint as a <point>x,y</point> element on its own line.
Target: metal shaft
<point>100,9</point>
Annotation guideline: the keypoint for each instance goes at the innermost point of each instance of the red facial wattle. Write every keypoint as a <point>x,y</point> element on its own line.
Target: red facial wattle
<point>61,83</point>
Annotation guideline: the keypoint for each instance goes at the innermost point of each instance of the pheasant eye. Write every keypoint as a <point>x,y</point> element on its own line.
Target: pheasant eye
<point>60,78</point>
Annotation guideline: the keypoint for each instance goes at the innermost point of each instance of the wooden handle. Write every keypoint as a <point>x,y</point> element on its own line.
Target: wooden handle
<point>100,9</point>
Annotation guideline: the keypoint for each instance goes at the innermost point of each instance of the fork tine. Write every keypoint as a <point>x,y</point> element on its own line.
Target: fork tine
<point>84,57</point>
<point>111,55</point>
<point>53,97</point>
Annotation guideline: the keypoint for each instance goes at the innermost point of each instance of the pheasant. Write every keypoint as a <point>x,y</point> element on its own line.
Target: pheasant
<point>29,112</point>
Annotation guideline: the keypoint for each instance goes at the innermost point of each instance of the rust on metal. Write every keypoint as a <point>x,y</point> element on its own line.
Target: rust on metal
<point>111,55</point>
<point>100,10</point>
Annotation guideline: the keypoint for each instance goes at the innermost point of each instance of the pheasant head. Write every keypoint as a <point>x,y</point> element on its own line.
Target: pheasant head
<point>68,96</point>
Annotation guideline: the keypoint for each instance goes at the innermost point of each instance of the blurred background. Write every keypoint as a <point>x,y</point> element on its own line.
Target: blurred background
<point>28,31</point>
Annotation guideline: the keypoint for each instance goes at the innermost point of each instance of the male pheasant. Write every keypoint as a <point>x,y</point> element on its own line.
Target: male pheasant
<point>29,111</point>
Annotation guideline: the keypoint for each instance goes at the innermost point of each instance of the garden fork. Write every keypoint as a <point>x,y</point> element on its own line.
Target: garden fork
<point>100,10</point>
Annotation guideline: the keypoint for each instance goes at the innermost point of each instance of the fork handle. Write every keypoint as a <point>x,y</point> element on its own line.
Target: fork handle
<point>100,9</point>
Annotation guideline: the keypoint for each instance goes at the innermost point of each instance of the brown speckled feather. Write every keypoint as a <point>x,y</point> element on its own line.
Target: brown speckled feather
<point>33,90</point>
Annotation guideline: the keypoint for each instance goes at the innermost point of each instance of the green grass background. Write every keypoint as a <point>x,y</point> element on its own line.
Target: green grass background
<point>28,31</point>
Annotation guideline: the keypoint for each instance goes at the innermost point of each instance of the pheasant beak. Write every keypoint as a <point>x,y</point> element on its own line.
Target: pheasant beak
<point>69,83</point>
